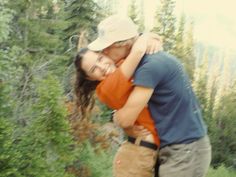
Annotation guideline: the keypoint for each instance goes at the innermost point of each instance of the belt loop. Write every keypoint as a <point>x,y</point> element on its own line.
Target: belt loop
<point>138,140</point>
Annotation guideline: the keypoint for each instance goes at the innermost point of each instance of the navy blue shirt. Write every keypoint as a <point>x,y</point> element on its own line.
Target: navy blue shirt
<point>173,105</point>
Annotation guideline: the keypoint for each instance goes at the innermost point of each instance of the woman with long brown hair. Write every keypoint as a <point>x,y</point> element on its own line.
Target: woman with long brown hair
<point>95,71</point>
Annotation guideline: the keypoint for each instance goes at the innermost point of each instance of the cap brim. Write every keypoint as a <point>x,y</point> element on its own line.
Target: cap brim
<point>99,44</point>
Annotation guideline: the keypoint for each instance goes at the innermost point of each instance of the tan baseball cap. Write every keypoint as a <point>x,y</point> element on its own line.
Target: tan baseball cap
<point>113,29</point>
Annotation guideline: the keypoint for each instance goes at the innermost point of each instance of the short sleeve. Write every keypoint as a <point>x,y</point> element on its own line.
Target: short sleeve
<point>151,73</point>
<point>114,90</point>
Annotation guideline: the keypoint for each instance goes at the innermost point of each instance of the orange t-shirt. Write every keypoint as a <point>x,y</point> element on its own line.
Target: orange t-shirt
<point>114,92</point>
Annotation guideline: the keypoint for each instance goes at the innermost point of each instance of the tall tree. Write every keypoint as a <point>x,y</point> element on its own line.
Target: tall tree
<point>108,7</point>
<point>211,90</point>
<point>200,80</point>
<point>33,58</point>
<point>165,24</point>
<point>189,58</point>
<point>224,131</point>
<point>5,28</point>
<point>223,85</point>
<point>35,43</point>
<point>6,15</point>
<point>216,94</point>
<point>9,155</point>
<point>132,11</point>
<point>179,50</point>
<point>141,17</point>
<point>79,18</point>
<point>136,13</point>
<point>47,145</point>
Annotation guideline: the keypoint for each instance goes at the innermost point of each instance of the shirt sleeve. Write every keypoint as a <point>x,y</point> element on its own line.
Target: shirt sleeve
<point>114,90</point>
<point>150,74</point>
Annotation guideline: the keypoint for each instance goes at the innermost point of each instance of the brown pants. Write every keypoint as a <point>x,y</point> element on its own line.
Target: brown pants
<point>185,160</point>
<point>132,160</point>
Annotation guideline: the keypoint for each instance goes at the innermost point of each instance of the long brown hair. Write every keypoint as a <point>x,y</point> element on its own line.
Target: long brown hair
<point>84,88</point>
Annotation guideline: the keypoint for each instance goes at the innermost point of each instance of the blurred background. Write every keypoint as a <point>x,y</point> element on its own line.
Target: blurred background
<point>40,133</point>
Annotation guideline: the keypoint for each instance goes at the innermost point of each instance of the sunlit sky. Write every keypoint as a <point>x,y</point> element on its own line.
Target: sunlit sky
<point>214,20</point>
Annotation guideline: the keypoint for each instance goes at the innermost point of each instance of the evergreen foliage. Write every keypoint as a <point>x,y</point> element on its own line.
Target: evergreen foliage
<point>179,50</point>
<point>6,15</point>
<point>99,162</point>
<point>8,154</point>
<point>224,132</point>
<point>47,146</point>
<point>38,137</point>
<point>136,13</point>
<point>108,7</point>
<point>189,59</point>
<point>184,46</point>
<point>132,11</point>
<point>165,24</point>
<point>217,98</point>
<point>82,17</point>
<point>200,81</point>
<point>221,171</point>
<point>177,40</point>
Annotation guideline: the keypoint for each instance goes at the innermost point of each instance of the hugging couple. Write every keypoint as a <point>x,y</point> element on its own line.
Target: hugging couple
<point>153,99</point>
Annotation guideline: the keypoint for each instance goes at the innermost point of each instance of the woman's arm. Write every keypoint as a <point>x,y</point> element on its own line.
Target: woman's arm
<point>154,43</point>
<point>148,43</point>
<point>132,60</point>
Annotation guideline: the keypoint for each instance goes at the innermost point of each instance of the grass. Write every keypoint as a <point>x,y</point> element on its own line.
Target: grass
<point>221,171</point>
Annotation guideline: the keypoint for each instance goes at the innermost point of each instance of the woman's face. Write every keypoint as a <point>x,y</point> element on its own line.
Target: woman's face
<point>97,66</point>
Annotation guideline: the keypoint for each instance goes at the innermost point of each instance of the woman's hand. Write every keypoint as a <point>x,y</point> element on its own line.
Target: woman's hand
<point>137,131</point>
<point>154,43</point>
<point>140,45</point>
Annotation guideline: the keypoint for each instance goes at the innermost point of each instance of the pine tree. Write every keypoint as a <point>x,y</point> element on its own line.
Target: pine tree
<point>223,85</point>
<point>165,24</point>
<point>79,18</point>
<point>224,132</point>
<point>35,134</point>
<point>108,7</point>
<point>200,81</point>
<point>132,11</point>
<point>100,162</point>
<point>189,58</point>
<point>141,17</point>
<point>35,42</point>
<point>222,123</point>
<point>211,90</point>
<point>217,100</point>
<point>47,145</point>
<point>136,13</point>
<point>5,29</point>
<point>8,156</point>
<point>179,50</point>
<point>6,15</point>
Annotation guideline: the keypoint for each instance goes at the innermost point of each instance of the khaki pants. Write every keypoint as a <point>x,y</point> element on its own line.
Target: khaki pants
<point>185,160</point>
<point>132,160</point>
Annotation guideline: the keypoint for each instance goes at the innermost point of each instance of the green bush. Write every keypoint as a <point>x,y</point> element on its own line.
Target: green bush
<point>99,162</point>
<point>47,145</point>
<point>221,171</point>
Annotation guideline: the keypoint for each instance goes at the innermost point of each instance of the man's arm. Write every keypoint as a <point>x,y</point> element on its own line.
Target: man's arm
<point>138,99</point>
